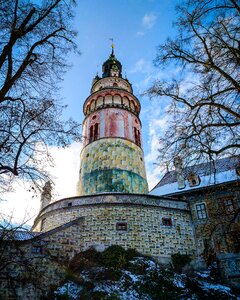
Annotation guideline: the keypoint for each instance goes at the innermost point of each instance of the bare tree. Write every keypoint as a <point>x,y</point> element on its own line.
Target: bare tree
<point>35,38</point>
<point>23,264</point>
<point>205,104</point>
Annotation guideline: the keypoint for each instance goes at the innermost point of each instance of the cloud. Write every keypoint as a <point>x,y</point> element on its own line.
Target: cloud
<point>22,206</point>
<point>142,66</point>
<point>155,115</point>
<point>66,169</point>
<point>149,20</point>
<point>140,33</point>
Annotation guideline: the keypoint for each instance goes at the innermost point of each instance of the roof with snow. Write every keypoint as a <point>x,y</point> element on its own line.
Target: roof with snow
<point>17,235</point>
<point>210,173</point>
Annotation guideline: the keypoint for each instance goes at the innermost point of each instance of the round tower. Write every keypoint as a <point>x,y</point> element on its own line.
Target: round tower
<point>112,156</point>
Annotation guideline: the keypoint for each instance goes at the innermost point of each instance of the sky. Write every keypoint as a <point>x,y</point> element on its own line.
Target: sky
<point>137,27</point>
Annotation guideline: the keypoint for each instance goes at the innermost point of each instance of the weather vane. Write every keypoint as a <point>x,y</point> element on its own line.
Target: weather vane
<point>111,39</point>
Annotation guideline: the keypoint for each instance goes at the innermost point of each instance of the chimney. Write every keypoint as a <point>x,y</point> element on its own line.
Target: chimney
<point>179,172</point>
<point>46,194</point>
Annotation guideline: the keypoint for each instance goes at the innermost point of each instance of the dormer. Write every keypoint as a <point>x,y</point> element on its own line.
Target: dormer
<point>193,179</point>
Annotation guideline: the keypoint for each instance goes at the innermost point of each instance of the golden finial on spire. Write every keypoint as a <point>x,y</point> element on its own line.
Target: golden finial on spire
<point>111,39</point>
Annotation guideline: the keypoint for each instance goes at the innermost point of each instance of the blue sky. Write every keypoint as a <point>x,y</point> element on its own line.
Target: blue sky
<point>137,27</point>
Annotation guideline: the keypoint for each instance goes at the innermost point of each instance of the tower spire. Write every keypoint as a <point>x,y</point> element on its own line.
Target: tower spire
<point>111,39</point>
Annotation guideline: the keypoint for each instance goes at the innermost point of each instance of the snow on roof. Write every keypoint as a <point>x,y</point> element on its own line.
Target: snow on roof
<point>17,235</point>
<point>221,171</point>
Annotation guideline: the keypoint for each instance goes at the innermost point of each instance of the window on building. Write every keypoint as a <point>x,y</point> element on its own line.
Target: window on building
<point>167,222</point>
<point>193,179</point>
<point>91,134</point>
<point>201,211</point>
<point>37,250</point>
<point>137,136</point>
<point>228,205</point>
<point>95,137</point>
<point>69,204</point>
<point>121,226</point>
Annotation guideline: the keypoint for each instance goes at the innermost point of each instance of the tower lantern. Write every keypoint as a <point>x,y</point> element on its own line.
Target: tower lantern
<point>112,156</point>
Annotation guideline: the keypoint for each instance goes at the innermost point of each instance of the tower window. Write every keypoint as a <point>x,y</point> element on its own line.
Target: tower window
<point>121,226</point>
<point>69,204</point>
<point>137,136</point>
<point>95,137</point>
<point>91,134</point>
<point>201,211</point>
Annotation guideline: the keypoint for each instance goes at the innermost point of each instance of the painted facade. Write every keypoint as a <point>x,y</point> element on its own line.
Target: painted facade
<point>142,215</point>
<point>112,158</point>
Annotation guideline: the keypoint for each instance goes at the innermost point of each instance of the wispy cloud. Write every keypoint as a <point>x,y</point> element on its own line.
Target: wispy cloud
<point>24,205</point>
<point>142,66</point>
<point>149,20</point>
<point>157,125</point>
<point>140,33</point>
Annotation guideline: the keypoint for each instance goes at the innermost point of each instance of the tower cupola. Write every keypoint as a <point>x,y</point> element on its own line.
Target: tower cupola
<point>112,67</point>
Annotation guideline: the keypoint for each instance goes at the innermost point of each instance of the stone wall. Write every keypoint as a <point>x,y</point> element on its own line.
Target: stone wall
<point>214,228</point>
<point>30,275</point>
<point>145,230</point>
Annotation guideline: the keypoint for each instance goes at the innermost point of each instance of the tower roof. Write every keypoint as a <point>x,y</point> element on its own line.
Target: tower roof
<point>112,64</point>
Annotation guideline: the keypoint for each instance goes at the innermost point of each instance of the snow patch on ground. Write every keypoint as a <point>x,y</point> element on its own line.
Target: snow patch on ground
<point>178,281</point>
<point>216,287</point>
<point>203,274</point>
<point>71,289</point>
<point>135,278</point>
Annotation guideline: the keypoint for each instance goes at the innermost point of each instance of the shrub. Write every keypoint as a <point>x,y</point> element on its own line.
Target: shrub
<point>179,261</point>
<point>84,260</point>
<point>114,257</point>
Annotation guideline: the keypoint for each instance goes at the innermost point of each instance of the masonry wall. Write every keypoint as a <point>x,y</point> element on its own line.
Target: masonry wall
<point>214,228</point>
<point>30,275</point>
<point>145,231</point>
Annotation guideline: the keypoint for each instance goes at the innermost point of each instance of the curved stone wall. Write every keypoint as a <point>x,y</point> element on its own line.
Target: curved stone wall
<point>112,165</point>
<point>111,98</point>
<point>142,214</point>
<point>115,82</point>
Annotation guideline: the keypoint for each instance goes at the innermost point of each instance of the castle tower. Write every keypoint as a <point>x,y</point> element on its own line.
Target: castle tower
<point>112,156</point>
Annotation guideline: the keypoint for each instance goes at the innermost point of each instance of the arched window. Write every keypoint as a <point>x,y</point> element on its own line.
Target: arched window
<point>108,99</point>
<point>95,136</point>
<point>87,109</point>
<point>92,105</point>
<point>132,105</point>
<point>94,132</point>
<point>125,101</point>
<point>117,100</point>
<point>99,101</point>
<point>91,134</point>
